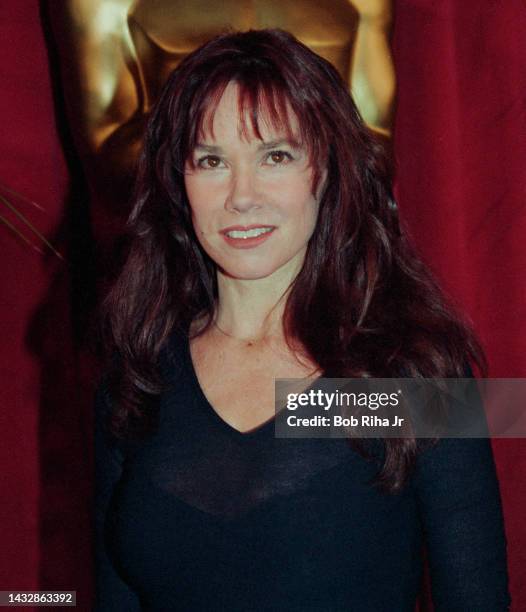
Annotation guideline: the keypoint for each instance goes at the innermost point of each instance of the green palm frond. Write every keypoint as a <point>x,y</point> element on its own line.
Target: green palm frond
<point>19,234</point>
<point>25,221</point>
<point>21,197</point>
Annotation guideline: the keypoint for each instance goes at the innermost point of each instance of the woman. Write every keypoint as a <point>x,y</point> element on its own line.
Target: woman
<point>122,52</point>
<point>264,244</point>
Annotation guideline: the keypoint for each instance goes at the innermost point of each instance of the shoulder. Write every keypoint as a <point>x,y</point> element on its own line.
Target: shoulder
<point>457,471</point>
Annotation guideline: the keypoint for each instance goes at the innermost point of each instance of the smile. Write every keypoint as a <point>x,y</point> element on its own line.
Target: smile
<point>251,233</point>
<point>241,237</point>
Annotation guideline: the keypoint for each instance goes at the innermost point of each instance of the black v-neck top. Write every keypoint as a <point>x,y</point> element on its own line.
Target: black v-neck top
<point>201,517</point>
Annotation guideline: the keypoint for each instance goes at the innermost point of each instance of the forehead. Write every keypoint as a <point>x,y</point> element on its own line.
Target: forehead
<point>238,114</point>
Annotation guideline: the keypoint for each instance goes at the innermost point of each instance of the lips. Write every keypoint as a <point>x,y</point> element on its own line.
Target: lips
<point>241,230</point>
<point>247,236</point>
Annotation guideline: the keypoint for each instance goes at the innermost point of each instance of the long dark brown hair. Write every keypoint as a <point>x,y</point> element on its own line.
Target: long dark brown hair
<point>363,303</point>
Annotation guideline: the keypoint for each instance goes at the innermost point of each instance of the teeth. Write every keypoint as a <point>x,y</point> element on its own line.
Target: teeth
<point>251,233</point>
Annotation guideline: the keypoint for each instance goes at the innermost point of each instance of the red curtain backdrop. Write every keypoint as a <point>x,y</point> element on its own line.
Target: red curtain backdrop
<point>460,145</point>
<point>461,153</point>
<point>45,421</point>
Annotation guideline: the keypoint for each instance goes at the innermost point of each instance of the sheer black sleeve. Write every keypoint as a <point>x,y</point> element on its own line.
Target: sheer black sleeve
<point>112,593</point>
<point>461,511</point>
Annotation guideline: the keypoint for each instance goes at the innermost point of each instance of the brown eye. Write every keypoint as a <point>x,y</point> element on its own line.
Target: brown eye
<point>278,157</point>
<point>209,161</point>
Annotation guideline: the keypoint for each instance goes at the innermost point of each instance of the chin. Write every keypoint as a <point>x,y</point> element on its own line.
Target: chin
<point>247,271</point>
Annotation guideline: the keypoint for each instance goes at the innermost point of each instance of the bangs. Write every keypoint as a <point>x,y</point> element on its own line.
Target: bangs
<point>260,101</point>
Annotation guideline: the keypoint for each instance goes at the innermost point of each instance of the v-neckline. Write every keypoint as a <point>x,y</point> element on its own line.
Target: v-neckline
<point>248,434</point>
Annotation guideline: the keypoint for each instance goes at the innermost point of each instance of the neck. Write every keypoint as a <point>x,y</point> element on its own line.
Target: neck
<point>250,310</point>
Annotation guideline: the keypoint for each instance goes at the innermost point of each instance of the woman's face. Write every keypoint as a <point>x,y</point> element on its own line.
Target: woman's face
<point>252,204</point>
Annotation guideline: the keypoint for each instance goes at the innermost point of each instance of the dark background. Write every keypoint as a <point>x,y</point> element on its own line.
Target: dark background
<point>461,153</point>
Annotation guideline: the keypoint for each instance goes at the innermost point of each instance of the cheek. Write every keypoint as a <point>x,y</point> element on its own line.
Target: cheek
<point>200,196</point>
<point>195,191</point>
<point>299,202</point>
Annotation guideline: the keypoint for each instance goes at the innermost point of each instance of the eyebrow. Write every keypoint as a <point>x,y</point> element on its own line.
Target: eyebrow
<point>264,146</point>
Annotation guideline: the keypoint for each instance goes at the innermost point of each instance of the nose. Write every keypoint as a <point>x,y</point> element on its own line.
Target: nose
<point>243,194</point>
